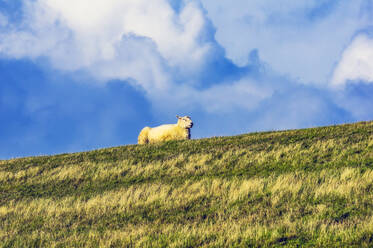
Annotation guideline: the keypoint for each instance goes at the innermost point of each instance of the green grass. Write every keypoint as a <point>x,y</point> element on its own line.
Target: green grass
<point>309,188</point>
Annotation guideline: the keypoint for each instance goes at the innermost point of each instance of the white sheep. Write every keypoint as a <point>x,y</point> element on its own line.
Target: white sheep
<point>178,131</point>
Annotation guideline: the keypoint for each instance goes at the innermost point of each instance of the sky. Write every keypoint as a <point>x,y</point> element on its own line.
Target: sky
<point>77,75</point>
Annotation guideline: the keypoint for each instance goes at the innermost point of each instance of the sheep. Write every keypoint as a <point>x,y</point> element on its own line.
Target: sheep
<point>178,131</point>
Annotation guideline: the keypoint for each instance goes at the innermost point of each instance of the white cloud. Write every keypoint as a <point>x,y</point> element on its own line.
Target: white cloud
<point>147,42</point>
<point>356,63</point>
<point>302,39</point>
<point>174,34</point>
<point>245,94</point>
<point>153,45</point>
<point>113,39</point>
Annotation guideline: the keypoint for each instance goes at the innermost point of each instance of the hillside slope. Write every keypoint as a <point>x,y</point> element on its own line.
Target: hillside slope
<point>311,187</point>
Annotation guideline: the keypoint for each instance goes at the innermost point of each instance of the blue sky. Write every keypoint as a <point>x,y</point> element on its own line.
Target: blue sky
<point>86,74</point>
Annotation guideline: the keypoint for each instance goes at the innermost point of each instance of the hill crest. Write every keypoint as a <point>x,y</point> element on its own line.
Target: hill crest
<point>309,187</point>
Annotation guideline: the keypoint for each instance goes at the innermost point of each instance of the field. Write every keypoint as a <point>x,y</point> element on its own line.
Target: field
<point>309,188</point>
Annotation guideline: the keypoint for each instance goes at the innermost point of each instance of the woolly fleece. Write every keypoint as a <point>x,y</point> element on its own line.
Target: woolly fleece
<point>178,131</point>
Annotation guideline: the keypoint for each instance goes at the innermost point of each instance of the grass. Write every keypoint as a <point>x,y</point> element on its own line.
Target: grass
<point>309,188</point>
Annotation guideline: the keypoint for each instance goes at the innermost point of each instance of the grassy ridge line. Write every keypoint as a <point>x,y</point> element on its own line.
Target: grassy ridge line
<point>310,187</point>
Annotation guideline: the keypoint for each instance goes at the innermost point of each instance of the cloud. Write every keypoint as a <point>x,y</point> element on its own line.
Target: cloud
<point>138,39</point>
<point>356,63</point>
<point>166,50</point>
<point>301,39</point>
<point>245,94</point>
<point>175,34</point>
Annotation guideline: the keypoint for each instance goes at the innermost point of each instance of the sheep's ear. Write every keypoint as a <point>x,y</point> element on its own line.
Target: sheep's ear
<point>177,116</point>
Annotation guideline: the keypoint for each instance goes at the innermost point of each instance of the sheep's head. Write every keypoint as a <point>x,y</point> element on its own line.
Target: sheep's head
<point>184,122</point>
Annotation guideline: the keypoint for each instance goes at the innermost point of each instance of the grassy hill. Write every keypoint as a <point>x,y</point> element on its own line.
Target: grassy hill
<point>311,187</point>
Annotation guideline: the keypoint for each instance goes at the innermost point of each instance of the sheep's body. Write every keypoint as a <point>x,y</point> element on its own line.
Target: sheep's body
<point>178,131</point>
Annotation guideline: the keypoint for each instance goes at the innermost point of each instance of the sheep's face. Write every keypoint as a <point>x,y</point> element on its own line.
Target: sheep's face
<point>185,122</point>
